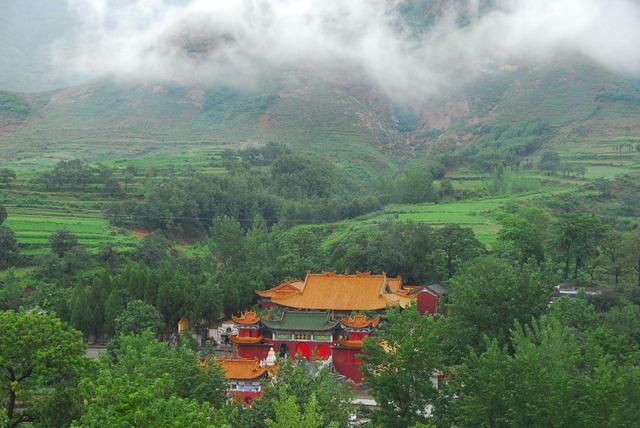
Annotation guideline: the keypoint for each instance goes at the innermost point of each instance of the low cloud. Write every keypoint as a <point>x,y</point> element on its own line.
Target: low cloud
<point>242,42</point>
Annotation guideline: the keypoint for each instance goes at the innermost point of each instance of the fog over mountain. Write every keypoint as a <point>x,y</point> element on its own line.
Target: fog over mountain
<point>407,55</point>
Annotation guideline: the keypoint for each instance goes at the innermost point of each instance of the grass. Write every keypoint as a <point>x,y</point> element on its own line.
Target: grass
<point>33,231</point>
<point>481,215</point>
<point>35,215</point>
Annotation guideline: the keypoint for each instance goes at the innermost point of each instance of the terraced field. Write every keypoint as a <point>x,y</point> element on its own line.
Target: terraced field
<point>604,157</point>
<point>481,215</point>
<point>35,215</point>
<point>34,227</point>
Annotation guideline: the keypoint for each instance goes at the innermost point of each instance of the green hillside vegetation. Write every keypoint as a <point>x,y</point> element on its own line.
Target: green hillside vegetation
<point>109,120</point>
<point>12,104</point>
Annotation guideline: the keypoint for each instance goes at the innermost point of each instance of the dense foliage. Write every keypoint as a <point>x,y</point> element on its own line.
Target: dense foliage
<point>501,352</point>
<point>41,362</point>
<point>500,143</point>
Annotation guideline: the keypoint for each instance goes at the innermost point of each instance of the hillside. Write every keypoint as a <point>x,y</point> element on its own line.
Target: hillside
<point>577,99</point>
<point>352,123</point>
<point>339,116</point>
<point>101,120</point>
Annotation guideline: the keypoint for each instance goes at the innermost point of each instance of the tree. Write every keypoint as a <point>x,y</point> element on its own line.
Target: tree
<point>632,252</point>
<point>613,249</point>
<point>40,358</point>
<point>578,238</point>
<point>11,292</point>
<point>9,249</point>
<point>446,189</point>
<point>496,389</point>
<point>83,316</point>
<point>415,185</point>
<point>298,380</point>
<point>153,250</point>
<point>6,177</point>
<point>145,406</point>
<point>576,314</point>
<point>604,186</point>
<point>109,256</point>
<point>399,365</point>
<point>137,318</point>
<point>550,162</point>
<point>113,306</point>
<point>209,304</point>
<point>303,176</point>
<point>545,364</point>
<point>62,241</point>
<point>522,238</point>
<point>138,361</point>
<point>49,267</point>
<point>459,245</point>
<point>76,259</point>
<point>398,248</point>
<point>488,296</point>
<point>112,187</point>
<point>581,171</point>
<point>288,414</point>
<point>3,214</point>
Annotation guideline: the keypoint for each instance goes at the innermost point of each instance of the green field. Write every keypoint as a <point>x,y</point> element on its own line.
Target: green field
<point>34,215</point>
<point>481,215</point>
<point>33,230</point>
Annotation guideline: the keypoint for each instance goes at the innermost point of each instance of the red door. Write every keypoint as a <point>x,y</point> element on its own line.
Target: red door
<point>303,349</point>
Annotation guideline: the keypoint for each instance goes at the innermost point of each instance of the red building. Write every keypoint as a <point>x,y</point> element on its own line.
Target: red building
<point>248,341</point>
<point>318,320</point>
<point>349,346</point>
<point>245,378</point>
<point>307,334</point>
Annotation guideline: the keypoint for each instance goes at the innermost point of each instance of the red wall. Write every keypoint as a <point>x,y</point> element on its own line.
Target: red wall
<point>253,351</point>
<point>356,335</point>
<point>248,332</point>
<point>245,398</point>
<point>308,349</point>
<point>347,364</point>
<point>427,302</point>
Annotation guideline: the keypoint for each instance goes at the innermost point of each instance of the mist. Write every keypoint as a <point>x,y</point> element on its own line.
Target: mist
<point>243,42</point>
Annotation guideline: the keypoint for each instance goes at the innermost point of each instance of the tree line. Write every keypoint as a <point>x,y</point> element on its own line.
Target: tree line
<point>508,356</point>
<point>280,187</point>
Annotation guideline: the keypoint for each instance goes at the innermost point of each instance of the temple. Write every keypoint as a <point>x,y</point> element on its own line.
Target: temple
<point>340,294</point>
<point>245,376</point>
<point>323,318</point>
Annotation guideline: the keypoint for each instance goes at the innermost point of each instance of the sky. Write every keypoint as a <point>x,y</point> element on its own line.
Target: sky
<point>242,42</point>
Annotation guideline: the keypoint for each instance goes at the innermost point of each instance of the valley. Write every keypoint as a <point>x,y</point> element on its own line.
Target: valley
<point>290,213</point>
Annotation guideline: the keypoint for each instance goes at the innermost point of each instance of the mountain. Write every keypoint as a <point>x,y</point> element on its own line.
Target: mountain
<point>342,117</point>
<point>353,123</point>
<point>107,119</point>
<point>576,98</point>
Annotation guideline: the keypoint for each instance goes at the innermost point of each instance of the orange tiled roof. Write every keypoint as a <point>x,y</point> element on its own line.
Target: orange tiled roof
<point>283,289</point>
<point>360,321</point>
<point>246,340</point>
<point>395,284</point>
<point>241,369</point>
<point>247,318</point>
<point>331,291</point>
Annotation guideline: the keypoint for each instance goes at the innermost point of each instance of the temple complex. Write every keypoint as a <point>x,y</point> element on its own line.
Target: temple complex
<point>325,317</point>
